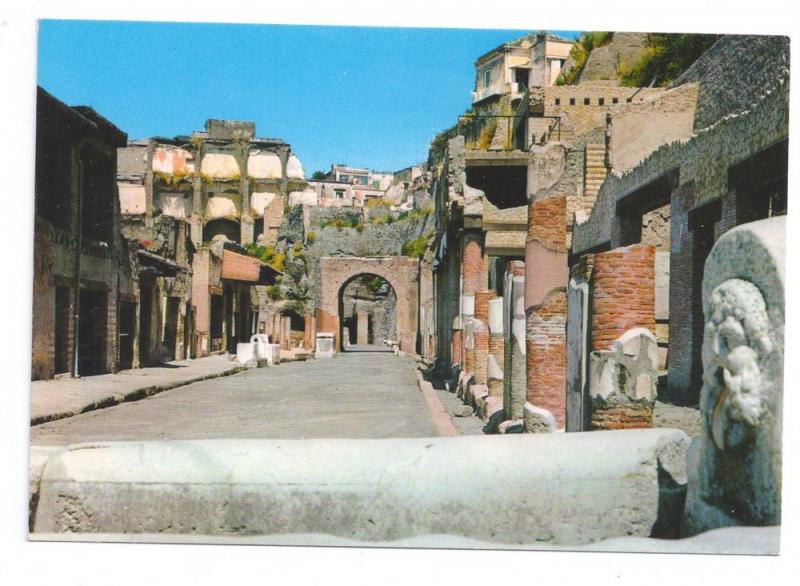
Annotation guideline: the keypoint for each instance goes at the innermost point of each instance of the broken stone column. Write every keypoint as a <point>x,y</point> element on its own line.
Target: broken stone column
<point>494,368</point>
<point>480,334</point>
<point>546,306</point>
<point>471,274</point>
<point>624,347</point>
<point>735,464</point>
<point>622,382</point>
<point>514,377</point>
<point>468,340</point>
<point>457,343</point>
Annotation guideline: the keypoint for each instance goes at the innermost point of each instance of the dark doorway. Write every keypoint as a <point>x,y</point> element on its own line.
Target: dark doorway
<point>171,326</point>
<point>230,322</point>
<point>127,324</point>
<point>760,184</point>
<point>62,358</point>
<point>702,222</point>
<point>216,325</point>
<point>93,316</point>
<point>145,320</point>
<point>244,318</point>
<point>188,334</point>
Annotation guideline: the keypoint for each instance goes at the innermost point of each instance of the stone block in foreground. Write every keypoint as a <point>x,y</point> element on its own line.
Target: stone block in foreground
<point>559,489</point>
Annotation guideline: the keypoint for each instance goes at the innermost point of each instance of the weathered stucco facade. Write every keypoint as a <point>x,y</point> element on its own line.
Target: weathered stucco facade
<point>81,264</point>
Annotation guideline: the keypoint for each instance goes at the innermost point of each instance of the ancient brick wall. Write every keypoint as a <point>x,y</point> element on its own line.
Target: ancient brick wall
<point>623,293</point>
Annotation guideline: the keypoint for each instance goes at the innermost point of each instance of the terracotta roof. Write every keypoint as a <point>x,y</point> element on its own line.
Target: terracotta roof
<point>240,267</point>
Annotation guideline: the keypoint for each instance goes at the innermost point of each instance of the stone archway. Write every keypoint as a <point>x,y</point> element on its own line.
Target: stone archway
<point>402,274</point>
<point>367,312</point>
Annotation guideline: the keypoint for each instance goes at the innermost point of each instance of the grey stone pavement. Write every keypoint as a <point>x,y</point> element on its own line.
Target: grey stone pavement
<point>355,395</point>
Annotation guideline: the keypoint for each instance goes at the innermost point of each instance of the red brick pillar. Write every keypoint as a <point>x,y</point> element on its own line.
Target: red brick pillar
<point>480,333</point>
<point>547,356</point>
<point>546,276</point>
<point>623,293</point>
<point>308,333</point>
<point>329,323</point>
<point>623,297</point>
<point>472,277</point>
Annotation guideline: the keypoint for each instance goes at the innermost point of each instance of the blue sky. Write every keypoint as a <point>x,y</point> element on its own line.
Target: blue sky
<point>363,96</point>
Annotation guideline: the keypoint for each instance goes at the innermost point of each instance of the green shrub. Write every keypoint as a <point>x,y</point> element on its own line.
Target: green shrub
<point>665,58</point>
<point>374,284</point>
<point>415,248</point>
<point>360,227</point>
<point>311,236</point>
<point>274,292</point>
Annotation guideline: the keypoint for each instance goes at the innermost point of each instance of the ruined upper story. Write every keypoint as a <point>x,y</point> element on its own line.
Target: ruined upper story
<point>225,151</point>
<point>222,171</point>
<point>75,188</point>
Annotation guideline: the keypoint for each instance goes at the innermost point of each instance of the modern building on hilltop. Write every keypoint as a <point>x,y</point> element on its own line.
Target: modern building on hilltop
<point>534,60</point>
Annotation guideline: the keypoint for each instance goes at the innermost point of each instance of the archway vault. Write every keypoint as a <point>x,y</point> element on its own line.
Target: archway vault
<point>402,274</point>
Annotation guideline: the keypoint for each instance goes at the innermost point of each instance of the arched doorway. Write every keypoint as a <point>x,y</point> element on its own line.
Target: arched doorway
<point>367,312</point>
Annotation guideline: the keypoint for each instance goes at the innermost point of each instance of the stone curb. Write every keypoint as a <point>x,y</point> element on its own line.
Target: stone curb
<point>133,395</point>
<point>441,418</point>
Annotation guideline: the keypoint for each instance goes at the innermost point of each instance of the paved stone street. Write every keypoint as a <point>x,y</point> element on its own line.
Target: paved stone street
<point>356,395</point>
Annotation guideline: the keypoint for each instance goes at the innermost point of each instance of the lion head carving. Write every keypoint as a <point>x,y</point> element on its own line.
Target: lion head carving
<point>737,339</point>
